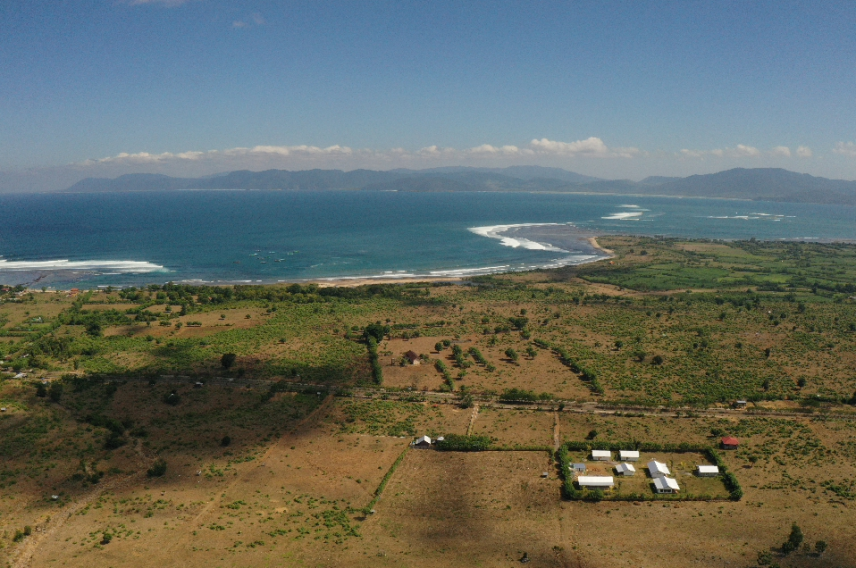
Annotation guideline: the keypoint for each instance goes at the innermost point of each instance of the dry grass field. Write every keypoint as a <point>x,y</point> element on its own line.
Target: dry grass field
<point>112,459</point>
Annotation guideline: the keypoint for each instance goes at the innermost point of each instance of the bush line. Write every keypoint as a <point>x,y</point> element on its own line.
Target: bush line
<point>385,480</point>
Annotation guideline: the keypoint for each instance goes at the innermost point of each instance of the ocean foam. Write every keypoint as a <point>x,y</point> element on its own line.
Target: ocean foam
<point>117,266</point>
<point>495,232</point>
<point>624,216</point>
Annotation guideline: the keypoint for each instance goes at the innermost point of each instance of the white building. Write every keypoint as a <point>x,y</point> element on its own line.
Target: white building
<point>422,442</point>
<point>629,455</point>
<point>666,485</point>
<point>601,455</point>
<point>658,469</point>
<point>625,469</point>
<point>579,467</point>
<point>598,481</point>
<point>707,471</point>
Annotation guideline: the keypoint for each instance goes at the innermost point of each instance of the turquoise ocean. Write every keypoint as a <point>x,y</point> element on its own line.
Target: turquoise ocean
<point>122,239</point>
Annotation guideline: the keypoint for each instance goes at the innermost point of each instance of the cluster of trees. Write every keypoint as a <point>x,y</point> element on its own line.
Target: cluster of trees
<point>461,443</point>
<point>522,395</point>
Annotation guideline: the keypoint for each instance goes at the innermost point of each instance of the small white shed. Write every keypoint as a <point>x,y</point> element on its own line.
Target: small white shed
<point>601,455</point>
<point>578,467</point>
<point>625,469</point>
<point>629,455</point>
<point>422,442</point>
<point>597,481</point>
<point>666,485</point>
<point>658,469</point>
<point>707,471</point>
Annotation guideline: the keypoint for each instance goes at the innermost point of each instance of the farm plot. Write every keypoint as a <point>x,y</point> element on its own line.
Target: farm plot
<point>481,508</point>
<point>515,427</point>
<point>682,466</point>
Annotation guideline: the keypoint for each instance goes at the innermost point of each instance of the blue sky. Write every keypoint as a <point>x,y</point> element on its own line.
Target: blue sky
<point>613,89</point>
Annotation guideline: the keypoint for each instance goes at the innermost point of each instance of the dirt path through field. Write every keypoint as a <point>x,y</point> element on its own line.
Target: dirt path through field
<point>473,417</point>
<point>556,437</point>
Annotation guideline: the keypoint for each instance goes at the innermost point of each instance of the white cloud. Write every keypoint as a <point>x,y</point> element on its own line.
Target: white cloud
<point>804,152</point>
<point>845,149</point>
<point>747,151</point>
<point>782,151</point>
<point>590,147</point>
<point>254,19</point>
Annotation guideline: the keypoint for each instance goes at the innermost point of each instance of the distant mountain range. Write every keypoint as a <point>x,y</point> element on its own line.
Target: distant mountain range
<point>759,184</point>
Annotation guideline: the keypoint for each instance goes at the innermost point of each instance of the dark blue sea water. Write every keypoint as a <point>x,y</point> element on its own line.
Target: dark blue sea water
<point>88,240</point>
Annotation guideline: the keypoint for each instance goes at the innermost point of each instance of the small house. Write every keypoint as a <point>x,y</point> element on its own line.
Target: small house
<point>666,485</point>
<point>730,443</point>
<point>422,442</point>
<point>625,469</point>
<point>629,455</point>
<point>578,467</point>
<point>601,455</point>
<point>739,404</point>
<point>707,471</point>
<point>658,469</point>
<point>596,481</point>
<point>412,357</point>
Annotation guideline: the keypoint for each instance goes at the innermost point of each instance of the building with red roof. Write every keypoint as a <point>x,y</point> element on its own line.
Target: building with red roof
<point>730,443</point>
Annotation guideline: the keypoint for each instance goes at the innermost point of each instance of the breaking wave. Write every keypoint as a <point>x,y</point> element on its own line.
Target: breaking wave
<point>117,266</point>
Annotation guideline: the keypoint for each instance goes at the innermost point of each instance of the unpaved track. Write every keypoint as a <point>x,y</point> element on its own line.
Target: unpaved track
<point>473,417</point>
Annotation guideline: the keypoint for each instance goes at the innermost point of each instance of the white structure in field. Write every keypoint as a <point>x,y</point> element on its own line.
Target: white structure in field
<point>658,469</point>
<point>579,467</point>
<point>601,455</point>
<point>422,442</point>
<point>600,481</point>
<point>629,455</point>
<point>625,469</point>
<point>707,471</point>
<point>666,485</point>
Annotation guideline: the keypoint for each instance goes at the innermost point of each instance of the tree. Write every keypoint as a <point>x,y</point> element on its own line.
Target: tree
<point>227,360</point>
<point>820,547</point>
<point>657,360</point>
<point>794,540</point>
<point>158,469</point>
<point>438,346</point>
<point>225,441</point>
<point>511,354</point>
<point>519,323</point>
<point>376,330</point>
<point>56,391</point>
<point>592,435</point>
<point>531,351</point>
<point>640,355</point>
<point>41,391</point>
<point>93,329</point>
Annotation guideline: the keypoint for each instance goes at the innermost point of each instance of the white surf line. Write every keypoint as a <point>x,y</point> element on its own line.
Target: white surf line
<point>122,266</point>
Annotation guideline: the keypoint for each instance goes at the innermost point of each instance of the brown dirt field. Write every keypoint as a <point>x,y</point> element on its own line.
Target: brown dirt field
<point>419,377</point>
<point>479,509</point>
<point>510,427</point>
<point>211,324</point>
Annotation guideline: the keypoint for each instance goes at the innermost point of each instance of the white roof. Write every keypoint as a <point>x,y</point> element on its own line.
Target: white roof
<point>628,454</point>
<point>595,481</point>
<point>601,453</point>
<point>666,483</point>
<point>708,469</point>
<point>625,468</point>
<point>421,439</point>
<point>658,468</point>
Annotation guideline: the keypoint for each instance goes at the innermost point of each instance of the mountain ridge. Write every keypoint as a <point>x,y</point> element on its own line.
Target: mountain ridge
<point>757,184</point>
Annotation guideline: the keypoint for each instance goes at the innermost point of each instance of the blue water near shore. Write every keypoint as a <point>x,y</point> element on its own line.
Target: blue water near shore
<point>89,240</point>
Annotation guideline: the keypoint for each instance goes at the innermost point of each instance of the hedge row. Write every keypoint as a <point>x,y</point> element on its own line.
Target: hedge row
<point>385,480</point>
<point>449,382</point>
<point>461,443</point>
<point>565,357</point>
<point>377,372</point>
<point>728,478</point>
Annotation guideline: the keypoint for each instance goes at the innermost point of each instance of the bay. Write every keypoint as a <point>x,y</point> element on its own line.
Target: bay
<point>120,239</point>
